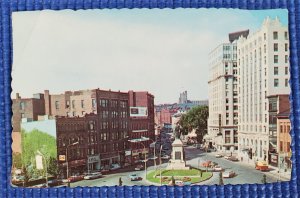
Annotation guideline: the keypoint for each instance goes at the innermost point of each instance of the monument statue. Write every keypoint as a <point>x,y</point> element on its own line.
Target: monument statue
<point>177,131</point>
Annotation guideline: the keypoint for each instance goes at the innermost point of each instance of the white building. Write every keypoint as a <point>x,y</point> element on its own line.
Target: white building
<point>223,95</point>
<point>263,61</point>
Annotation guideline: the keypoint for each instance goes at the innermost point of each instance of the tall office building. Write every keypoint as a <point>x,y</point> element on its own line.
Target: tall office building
<point>223,95</point>
<point>263,61</point>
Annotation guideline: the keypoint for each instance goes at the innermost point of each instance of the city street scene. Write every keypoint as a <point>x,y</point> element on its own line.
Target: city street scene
<point>150,97</point>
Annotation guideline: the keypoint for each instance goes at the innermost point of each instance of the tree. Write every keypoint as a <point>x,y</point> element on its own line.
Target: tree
<point>264,179</point>
<point>196,118</point>
<point>35,141</point>
<point>120,181</point>
<point>17,160</point>
<point>221,179</point>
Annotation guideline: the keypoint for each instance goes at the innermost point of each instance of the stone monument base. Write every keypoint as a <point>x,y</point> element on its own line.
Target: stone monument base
<point>177,165</point>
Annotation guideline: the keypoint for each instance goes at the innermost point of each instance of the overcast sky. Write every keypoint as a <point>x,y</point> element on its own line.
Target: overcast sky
<point>160,51</point>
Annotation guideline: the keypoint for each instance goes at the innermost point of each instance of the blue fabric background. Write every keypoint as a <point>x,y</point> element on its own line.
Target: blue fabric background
<point>282,189</point>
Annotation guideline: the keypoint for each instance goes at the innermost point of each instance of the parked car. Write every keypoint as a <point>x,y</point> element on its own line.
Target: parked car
<point>135,177</point>
<point>93,175</point>
<point>165,157</point>
<point>218,155</point>
<point>218,169</point>
<point>228,174</point>
<point>75,178</point>
<point>262,166</point>
<point>54,182</point>
<point>139,167</point>
<point>115,167</point>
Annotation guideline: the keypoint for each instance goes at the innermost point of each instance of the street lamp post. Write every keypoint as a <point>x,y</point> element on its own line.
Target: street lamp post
<point>75,143</point>
<point>160,164</point>
<point>46,170</point>
<point>154,149</point>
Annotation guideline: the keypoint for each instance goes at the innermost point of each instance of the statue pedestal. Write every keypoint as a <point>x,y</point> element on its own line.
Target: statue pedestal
<point>177,162</point>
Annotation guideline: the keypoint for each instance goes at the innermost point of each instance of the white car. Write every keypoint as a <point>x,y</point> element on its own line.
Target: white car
<point>218,168</point>
<point>165,157</point>
<point>228,174</point>
<point>93,176</point>
<point>218,155</point>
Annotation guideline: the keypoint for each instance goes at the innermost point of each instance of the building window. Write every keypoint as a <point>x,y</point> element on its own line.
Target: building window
<point>226,64</point>
<point>286,83</point>
<point>281,146</point>
<point>74,113</point>
<point>286,35</point>
<point>275,47</point>
<point>73,103</point>
<point>275,70</point>
<point>56,104</point>
<point>265,36</point>
<point>286,59</point>
<point>276,82</point>
<point>286,47</point>
<point>22,115</point>
<point>82,103</point>
<point>227,137</point>
<point>227,107</point>
<point>22,105</point>
<point>286,70</point>
<point>275,35</point>
<point>67,103</point>
<point>275,58</point>
<point>93,102</point>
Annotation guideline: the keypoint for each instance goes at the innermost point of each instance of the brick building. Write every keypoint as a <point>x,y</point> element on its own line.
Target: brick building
<point>142,129</point>
<point>28,108</point>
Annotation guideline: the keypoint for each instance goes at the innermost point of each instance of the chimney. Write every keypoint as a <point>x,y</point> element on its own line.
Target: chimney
<point>47,102</point>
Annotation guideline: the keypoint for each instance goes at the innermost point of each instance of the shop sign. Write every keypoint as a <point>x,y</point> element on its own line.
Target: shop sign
<point>93,159</point>
<point>127,153</point>
<point>62,157</point>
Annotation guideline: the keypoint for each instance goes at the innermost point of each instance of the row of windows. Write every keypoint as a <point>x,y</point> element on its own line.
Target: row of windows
<point>276,71</point>
<point>276,58</point>
<point>276,82</point>
<point>276,48</point>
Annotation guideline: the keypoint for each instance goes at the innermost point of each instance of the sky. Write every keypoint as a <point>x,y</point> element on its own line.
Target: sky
<point>163,51</point>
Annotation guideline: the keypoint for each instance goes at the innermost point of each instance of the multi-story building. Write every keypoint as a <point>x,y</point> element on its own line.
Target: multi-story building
<point>223,95</point>
<point>29,108</point>
<point>102,137</point>
<point>263,61</point>
<point>284,140</point>
<point>142,129</point>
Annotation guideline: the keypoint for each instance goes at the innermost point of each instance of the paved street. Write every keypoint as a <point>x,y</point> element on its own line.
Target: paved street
<point>245,173</point>
<point>194,157</point>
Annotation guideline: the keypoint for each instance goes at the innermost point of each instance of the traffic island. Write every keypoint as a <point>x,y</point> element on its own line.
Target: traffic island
<point>192,176</point>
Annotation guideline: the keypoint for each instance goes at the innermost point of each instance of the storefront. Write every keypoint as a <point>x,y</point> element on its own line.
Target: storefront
<point>93,163</point>
<point>139,154</point>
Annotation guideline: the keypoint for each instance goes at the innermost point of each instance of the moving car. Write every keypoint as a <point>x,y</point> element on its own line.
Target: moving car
<point>135,177</point>
<point>233,158</point>
<point>262,166</point>
<point>218,155</point>
<point>218,169</point>
<point>228,174</point>
<point>139,167</point>
<point>93,175</point>
<point>206,164</point>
